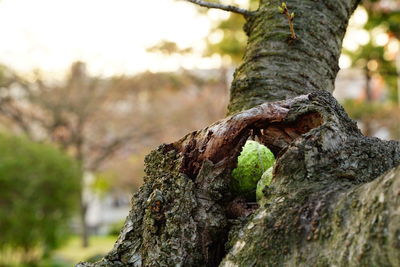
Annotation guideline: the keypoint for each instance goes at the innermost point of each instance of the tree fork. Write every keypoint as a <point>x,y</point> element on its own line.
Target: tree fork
<point>330,202</point>
<point>181,215</point>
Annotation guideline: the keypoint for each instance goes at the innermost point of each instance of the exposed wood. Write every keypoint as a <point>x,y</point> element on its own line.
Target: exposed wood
<point>185,214</point>
<point>224,139</point>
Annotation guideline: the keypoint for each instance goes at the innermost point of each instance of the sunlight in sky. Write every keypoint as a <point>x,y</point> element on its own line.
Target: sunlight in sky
<point>110,35</point>
<point>355,36</point>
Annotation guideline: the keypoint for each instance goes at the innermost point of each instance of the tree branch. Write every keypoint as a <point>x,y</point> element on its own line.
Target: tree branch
<point>105,151</point>
<point>229,8</point>
<point>15,115</point>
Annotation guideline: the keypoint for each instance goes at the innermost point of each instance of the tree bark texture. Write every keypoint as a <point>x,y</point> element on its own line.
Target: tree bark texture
<point>323,207</point>
<point>275,67</point>
<point>334,197</point>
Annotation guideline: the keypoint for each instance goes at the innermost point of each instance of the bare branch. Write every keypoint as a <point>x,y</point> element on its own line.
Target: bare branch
<point>108,150</point>
<point>104,151</point>
<point>229,8</point>
<point>15,115</point>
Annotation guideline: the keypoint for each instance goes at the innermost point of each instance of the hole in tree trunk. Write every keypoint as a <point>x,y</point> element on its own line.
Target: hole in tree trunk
<point>219,146</point>
<point>276,137</point>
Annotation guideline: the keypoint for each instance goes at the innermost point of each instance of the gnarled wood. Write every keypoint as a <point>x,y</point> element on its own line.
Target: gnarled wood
<point>224,139</point>
<point>180,215</point>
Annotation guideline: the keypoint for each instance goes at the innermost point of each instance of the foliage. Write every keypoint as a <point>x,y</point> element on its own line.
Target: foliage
<point>103,121</point>
<point>103,182</point>
<point>359,110</point>
<point>231,38</point>
<point>39,189</point>
<point>168,48</point>
<point>253,161</point>
<point>228,40</point>
<point>376,114</point>
<point>378,54</point>
<point>109,124</point>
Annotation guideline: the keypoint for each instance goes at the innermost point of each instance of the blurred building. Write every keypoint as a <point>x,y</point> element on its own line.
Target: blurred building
<point>104,209</point>
<point>107,210</point>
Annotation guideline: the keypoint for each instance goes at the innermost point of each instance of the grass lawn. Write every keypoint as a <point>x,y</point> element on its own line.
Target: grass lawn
<point>73,251</point>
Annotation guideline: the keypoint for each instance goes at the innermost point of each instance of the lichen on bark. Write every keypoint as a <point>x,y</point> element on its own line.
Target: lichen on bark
<point>175,220</point>
<point>342,224</point>
<point>330,201</point>
<point>184,212</point>
<point>275,67</point>
<point>325,205</point>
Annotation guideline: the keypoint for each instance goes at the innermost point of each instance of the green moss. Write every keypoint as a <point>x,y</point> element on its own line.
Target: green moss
<point>253,161</point>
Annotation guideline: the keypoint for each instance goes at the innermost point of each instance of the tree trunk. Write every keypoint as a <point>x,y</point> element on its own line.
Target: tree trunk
<point>83,207</point>
<point>330,201</point>
<point>275,67</point>
<point>83,202</point>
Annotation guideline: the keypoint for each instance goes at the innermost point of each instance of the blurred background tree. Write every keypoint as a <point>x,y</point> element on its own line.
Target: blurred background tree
<point>71,114</point>
<point>376,52</point>
<point>39,192</point>
<point>371,45</point>
<point>109,123</point>
<point>227,37</point>
<point>95,119</point>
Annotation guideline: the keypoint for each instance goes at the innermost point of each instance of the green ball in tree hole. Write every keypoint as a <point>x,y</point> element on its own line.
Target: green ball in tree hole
<point>253,161</point>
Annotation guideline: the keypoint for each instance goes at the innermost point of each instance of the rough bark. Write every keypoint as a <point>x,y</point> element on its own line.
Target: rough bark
<point>330,201</point>
<point>323,207</point>
<point>275,67</point>
<point>340,224</point>
<point>326,206</point>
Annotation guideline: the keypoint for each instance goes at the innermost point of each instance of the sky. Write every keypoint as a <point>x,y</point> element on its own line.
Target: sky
<point>111,36</point>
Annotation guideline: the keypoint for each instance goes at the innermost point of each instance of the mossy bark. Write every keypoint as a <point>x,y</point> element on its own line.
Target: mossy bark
<point>275,67</point>
<point>336,224</point>
<point>324,205</point>
<point>330,203</point>
<point>334,196</point>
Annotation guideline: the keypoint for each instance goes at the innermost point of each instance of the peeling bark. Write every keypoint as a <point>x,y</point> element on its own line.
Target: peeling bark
<point>181,215</point>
